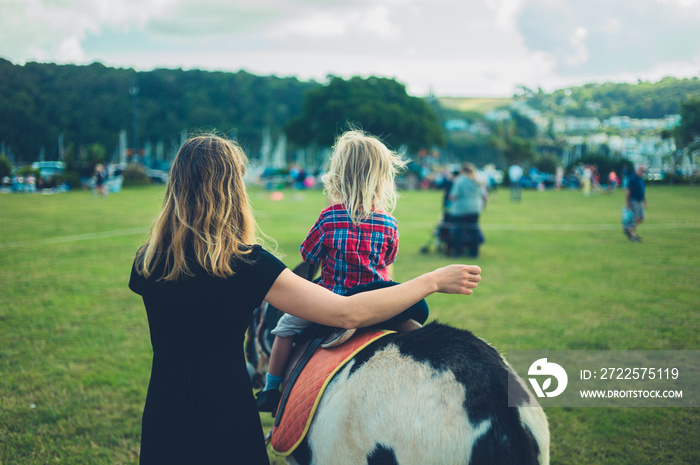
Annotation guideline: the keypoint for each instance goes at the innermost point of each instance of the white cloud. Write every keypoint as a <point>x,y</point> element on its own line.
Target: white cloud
<point>373,20</point>
<point>69,50</point>
<point>56,30</point>
<point>612,26</point>
<point>578,44</point>
<point>455,47</point>
<point>506,12</point>
<point>682,3</point>
<point>315,26</point>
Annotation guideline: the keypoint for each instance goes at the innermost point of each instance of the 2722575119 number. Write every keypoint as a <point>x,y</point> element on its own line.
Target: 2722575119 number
<point>638,373</point>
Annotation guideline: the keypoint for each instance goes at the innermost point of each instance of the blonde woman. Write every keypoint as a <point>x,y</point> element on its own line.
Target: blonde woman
<point>356,240</point>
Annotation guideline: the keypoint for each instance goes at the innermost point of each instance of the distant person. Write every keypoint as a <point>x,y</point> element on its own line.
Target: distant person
<point>587,180</point>
<point>31,182</point>
<point>636,201</point>
<point>468,199</point>
<point>200,274</point>
<point>100,179</point>
<point>446,188</point>
<point>625,176</point>
<point>355,240</point>
<point>595,178</point>
<point>515,173</point>
<point>559,177</point>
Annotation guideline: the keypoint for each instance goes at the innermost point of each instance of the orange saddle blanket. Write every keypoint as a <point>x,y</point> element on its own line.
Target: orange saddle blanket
<point>308,389</point>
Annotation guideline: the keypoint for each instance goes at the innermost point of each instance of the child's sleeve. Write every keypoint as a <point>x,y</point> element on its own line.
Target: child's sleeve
<point>312,247</point>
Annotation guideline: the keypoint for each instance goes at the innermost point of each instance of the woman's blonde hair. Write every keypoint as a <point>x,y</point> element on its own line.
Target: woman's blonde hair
<point>206,215</point>
<point>361,175</point>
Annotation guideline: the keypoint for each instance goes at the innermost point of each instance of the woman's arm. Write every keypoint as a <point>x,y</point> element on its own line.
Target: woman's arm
<point>304,299</point>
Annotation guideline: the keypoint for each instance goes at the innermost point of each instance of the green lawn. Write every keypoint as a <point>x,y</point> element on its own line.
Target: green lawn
<point>478,105</point>
<point>557,274</point>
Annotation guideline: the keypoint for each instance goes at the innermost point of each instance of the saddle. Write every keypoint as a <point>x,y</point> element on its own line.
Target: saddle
<point>311,369</point>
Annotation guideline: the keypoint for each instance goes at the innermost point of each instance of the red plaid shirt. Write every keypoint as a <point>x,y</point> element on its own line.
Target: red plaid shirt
<point>351,254</point>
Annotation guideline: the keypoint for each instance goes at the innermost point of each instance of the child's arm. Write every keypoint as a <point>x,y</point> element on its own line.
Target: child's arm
<point>312,248</point>
<point>293,294</point>
<point>390,270</point>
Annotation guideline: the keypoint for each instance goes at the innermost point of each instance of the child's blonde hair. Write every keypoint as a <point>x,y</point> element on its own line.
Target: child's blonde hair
<point>361,175</point>
<point>206,214</point>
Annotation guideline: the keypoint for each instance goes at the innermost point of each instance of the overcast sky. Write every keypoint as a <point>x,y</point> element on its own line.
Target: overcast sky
<point>463,48</point>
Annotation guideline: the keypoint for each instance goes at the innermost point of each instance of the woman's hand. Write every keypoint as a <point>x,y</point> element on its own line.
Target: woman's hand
<point>457,279</point>
<point>304,299</point>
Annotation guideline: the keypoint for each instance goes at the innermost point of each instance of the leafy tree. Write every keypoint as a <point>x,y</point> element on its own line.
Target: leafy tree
<point>689,129</point>
<point>513,147</point>
<point>135,175</point>
<point>547,164</point>
<point>92,104</point>
<point>378,105</point>
<point>462,147</point>
<point>524,126</point>
<point>687,134</point>
<point>5,166</point>
<point>92,155</point>
<point>640,100</point>
<point>604,164</point>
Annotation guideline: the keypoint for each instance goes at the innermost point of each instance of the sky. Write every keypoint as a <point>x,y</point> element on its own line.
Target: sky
<point>450,48</point>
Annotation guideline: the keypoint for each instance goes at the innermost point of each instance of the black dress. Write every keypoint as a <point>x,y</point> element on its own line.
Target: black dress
<point>200,407</point>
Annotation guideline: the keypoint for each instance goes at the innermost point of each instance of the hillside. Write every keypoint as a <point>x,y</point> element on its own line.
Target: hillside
<point>473,105</point>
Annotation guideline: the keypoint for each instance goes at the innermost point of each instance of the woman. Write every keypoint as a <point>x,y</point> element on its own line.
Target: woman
<point>468,199</point>
<point>200,274</point>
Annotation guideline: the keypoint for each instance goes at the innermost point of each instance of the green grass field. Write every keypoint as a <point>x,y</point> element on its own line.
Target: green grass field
<point>557,274</point>
<point>478,105</point>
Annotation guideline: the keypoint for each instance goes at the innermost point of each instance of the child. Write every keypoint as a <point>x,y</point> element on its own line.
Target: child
<point>200,275</point>
<point>355,239</point>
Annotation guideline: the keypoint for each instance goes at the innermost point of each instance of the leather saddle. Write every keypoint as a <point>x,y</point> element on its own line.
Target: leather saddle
<point>309,371</point>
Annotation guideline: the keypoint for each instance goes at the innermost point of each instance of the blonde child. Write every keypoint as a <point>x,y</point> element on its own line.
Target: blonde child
<point>356,240</point>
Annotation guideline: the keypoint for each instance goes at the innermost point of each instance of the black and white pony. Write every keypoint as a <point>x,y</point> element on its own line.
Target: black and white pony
<point>434,396</point>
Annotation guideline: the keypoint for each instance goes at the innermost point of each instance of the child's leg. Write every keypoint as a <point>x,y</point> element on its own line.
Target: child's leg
<point>268,398</point>
<point>287,327</point>
<point>281,348</point>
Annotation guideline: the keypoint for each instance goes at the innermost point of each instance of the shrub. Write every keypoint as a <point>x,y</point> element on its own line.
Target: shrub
<point>135,175</point>
<point>547,164</point>
<point>5,166</point>
<point>27,170</point>
<point>68,178</point>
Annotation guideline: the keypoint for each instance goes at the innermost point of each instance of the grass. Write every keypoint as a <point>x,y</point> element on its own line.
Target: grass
<point>557,274</point>
<point>478,105</point>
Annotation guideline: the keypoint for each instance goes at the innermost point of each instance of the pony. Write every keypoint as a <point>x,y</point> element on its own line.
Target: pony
<point>438,395</point>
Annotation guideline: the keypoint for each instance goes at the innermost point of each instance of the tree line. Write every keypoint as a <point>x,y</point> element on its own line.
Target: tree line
<point>88,106</point>
<point>641,100</point>
<point>91,104</point>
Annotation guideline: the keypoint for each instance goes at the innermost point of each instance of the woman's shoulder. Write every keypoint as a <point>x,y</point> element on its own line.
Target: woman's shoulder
<point>261,265</point>
<point>256,252</point>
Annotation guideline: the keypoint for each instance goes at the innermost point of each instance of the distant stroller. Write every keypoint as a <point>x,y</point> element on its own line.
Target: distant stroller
<point>447,233</point>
